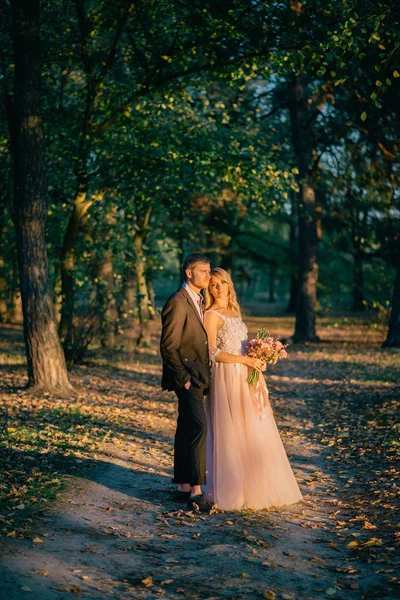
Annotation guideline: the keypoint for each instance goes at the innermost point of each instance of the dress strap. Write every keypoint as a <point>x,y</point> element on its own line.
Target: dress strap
<point>217,313</point>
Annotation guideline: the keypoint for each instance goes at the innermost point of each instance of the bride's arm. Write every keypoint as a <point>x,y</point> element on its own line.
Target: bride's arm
<point>212,324</point>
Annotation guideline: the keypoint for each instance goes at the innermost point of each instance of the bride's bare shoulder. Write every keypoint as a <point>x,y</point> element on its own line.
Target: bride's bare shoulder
<point>212,315</point>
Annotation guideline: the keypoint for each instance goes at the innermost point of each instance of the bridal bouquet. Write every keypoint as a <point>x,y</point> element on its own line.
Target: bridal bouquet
<point>267,348</point>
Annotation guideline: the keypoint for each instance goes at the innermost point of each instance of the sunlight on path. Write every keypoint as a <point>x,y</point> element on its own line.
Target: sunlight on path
<point>116,534</point>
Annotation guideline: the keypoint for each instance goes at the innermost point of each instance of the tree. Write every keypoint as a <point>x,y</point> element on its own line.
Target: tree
<point>393,335</point>
<point>46,363</point>
<point>305,329</point>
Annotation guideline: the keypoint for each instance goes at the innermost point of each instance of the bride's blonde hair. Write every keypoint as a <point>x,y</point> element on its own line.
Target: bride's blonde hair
<point>233,303</point>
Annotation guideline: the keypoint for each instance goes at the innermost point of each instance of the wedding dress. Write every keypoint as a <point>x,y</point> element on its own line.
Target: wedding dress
<point>247,466</point>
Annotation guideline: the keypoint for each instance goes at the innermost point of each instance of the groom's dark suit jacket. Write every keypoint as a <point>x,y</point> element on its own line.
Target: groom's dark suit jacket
<point>184,346</point>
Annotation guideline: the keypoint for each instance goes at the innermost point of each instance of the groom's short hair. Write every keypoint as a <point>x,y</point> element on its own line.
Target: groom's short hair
<point>193,259</point>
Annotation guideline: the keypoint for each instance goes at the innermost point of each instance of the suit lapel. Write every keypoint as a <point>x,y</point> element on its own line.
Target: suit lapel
<point>190,301</point>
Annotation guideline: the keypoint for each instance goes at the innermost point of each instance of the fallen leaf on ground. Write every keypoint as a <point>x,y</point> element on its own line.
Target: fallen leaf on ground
<point>317,560</point>
<point>373,542</point>
<point>368,525</point>
<point>69,590</point>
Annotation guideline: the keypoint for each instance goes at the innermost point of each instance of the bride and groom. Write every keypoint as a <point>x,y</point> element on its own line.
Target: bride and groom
<point>227,449</point>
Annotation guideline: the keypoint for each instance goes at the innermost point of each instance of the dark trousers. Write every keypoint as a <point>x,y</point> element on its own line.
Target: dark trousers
<point>190,438</point>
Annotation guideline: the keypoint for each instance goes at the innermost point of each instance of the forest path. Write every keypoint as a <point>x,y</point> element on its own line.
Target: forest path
<point>116,533</point>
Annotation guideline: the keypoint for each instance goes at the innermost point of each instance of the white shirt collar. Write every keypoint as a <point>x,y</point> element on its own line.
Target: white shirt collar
<point>195,296</point>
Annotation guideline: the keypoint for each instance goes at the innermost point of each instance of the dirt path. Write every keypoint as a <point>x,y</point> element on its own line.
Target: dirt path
<point>117,535</point>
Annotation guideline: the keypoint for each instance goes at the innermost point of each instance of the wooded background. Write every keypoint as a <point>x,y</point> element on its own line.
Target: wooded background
<point>132,133</point>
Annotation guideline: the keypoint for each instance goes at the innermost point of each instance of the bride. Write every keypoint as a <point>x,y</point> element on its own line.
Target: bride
<point>247,466</point>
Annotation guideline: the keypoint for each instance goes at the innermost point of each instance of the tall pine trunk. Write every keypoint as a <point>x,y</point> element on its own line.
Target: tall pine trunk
<point>305,328</point>
<point>45,357</point>
<point>393,334</point>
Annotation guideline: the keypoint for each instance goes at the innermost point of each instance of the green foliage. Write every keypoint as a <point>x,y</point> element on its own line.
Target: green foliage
<point>175,118</point>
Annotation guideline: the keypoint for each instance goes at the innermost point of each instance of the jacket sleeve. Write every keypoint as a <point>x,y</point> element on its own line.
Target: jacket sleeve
<point>173,320</point>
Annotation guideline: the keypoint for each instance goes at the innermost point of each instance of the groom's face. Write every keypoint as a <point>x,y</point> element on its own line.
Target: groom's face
<point>199,275</point>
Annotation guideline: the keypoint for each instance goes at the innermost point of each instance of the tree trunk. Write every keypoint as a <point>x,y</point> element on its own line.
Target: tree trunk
<point>4,284</point>
<point>127,310</point>
<point>227,259</point>
<point>45,357</point>
<point>305,328</point>
<point>107,301</point>
<point>271,295</point>
<point>293,240</point>
<point>393,334</point>
<point>142,292</point>
<point>151,295</point>
<point>143,300</point>
<point>68,260</point>
<point>358,282</point>
<point>81,207</point>
<point>81,203</point>
<point>67,265</point>
<point>3,292</point>
<point>13,305</point>
<point>292,293</point>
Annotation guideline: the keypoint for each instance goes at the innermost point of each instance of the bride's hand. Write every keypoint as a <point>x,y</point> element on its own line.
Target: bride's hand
<point>254,363</point>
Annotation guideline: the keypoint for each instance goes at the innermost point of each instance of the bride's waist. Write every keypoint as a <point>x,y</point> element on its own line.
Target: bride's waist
<point>234,352</point>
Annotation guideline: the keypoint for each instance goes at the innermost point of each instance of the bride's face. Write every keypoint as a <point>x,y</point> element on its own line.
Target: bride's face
<point>218,289</point>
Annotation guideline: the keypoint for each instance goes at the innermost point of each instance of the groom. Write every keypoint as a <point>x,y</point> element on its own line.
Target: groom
<point>186,371</point>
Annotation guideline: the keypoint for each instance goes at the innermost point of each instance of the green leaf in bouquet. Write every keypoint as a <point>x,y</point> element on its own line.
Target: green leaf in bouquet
<point>263,334</point>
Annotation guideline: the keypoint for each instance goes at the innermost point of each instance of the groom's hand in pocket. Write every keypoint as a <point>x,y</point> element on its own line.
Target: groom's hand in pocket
<point>188,384</point>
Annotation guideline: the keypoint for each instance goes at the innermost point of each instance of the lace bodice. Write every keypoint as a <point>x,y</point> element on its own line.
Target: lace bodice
<point>232,335</point>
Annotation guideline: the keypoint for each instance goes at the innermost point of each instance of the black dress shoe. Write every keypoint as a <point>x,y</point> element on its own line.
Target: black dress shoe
<point>199,504</point>
<point>179,496</point>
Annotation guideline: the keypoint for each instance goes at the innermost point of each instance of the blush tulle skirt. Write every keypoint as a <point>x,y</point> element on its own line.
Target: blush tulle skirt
<point>247,465</point>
